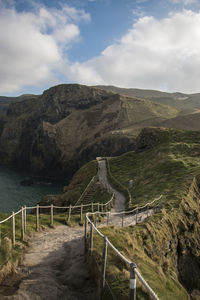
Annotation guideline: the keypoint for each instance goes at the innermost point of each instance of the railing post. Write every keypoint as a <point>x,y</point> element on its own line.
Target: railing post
<point>95,220</point>
<point>98,210</point>
<point>13,229</point>
<point>81,213</point>
<point>132,282</point>
<point>86,230</point>
<point>51,216</point>
<point>102,208</point>
<point>122,220</point>
<point>37,217</point>
<point>24,218</point>
<point>160,203</point>
<point>103,268</point>
<point>136,220</point>
<point>91,238</point>
<point>108,215</point>
<point>22,223</point>
<point>69,216</point>
<point>92,208</point>
<point>112,203</point>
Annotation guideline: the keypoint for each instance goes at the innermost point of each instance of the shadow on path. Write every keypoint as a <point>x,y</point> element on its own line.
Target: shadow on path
<point>54,267</point>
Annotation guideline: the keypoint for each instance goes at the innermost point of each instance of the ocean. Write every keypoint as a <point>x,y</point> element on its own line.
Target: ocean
<point>13,195</point>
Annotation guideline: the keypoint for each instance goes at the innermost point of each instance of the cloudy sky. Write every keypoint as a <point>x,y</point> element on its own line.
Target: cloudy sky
<point>150,44</point>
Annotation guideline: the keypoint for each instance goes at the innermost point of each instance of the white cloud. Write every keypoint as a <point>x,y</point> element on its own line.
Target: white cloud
<point>159,54</point>
<point>183,2</point>
<point>32,44</point>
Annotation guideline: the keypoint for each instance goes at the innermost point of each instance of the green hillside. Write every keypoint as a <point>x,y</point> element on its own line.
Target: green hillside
<point>167,166</point>
<point>166,246</point>
<point>185,103</point>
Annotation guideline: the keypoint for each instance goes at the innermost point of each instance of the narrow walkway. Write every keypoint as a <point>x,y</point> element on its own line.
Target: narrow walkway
<point>119,206</point>
<point>119,197</point>
<point>54,268</point>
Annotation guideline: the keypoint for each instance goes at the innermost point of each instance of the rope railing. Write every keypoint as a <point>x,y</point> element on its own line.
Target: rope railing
<point>85,191</point>
<point>23,211</point>
<point>132,266</point>
<point>124,188</point>
<point>107,206</point>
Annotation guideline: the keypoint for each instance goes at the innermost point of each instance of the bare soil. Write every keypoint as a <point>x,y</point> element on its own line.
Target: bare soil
<point>54,267</point>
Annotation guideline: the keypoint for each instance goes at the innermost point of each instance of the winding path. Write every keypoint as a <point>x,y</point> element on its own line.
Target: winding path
<point>119,197</point>
<point>54,265</point>
<point>53,268</point>
<point>119,205</point>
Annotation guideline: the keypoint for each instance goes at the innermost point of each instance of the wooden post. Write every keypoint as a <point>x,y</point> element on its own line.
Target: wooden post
<point>25,219</point>
<point>13,228</point>
<point>69,216</point>
<point>86,230</point>
<point>91,238</point>
<point>147,211</point>
<point>102,208</point>
<point>22,223</point>
<point>51,216</point>
<point>92,208</point>
<point>136,220</point>
<point>103,267</point>
<point>37,217</point>
<point>95,220</point>
<point>98,210</point>
<point>81,213</point>
<point>160,203</point>
<point>123,220</point>
<point>108,215</point>
<point>112,203</point>
<point>132,282</point>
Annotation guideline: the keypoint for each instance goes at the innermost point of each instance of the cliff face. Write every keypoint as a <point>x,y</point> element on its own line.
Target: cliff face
<point>68,125</point>
<point>58,131</point>
<point>173,242</point>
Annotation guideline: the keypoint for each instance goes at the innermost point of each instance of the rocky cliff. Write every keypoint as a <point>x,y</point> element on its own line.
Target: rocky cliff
<point>68,125</point>
<point>58,131</point>
<point>166,247</point>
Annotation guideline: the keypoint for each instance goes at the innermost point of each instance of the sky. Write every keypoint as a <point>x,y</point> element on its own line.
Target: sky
<point>147,44</point>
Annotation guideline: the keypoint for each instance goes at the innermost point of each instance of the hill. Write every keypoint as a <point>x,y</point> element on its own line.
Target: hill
<point>6,101</point>
<point>166,247</point>
<point>186,122</point>
<point>185,103</point>
<point>68,125</point>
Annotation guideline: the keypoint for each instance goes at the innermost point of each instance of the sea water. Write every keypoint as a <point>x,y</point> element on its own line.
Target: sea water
<point>13,195</point>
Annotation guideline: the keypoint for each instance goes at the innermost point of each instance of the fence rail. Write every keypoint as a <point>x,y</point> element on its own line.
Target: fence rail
<point>106,242</point>
<point>96,209</point>
<point>124,189</point>
<point>23,211</point>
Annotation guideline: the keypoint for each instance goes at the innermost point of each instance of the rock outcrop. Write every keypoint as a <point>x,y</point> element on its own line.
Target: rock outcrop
<point>68,125</point>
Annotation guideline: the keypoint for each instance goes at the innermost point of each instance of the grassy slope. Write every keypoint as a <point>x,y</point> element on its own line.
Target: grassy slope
<point>167,168</point>
<point>80,181</point>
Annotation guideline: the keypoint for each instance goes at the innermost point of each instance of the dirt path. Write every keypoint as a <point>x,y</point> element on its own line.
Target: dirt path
<point>121,219</point>
<point>119,198</point>
<point>54,268</point>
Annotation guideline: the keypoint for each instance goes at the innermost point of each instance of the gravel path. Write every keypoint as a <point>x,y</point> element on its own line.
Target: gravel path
<point>119,198</point>
<point>54,265</point>
<point>54,268</point>
<point>119,205</point>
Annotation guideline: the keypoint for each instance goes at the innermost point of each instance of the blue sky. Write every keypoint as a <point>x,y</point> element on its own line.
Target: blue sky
<point>152,44</point>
